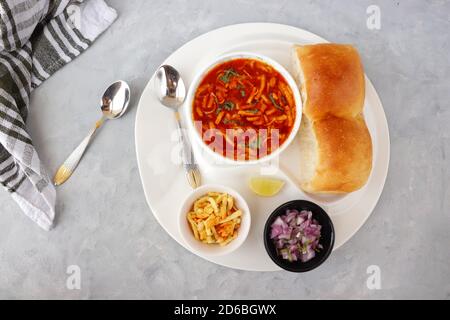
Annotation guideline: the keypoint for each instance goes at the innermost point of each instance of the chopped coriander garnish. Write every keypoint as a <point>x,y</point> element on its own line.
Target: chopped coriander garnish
<point>254,111</point>
<point>227,75</point>
<point>227,105</point>
<point>242,93</point>
<point>275,104</point>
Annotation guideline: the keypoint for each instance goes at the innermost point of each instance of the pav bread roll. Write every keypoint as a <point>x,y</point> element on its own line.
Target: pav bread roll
<point>335,144</point>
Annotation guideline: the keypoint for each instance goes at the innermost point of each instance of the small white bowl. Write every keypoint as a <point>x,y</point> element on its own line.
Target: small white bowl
<point>201,248</point>
<point>218,158</point>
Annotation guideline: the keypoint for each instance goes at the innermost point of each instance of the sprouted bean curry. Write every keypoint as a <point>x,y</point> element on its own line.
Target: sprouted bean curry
<point>244,109</point>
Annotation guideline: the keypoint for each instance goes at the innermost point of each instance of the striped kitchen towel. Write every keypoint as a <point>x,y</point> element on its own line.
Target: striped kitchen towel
<point>37,37</point>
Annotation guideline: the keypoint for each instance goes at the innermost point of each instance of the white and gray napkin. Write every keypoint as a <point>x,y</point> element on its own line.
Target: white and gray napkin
<point>37,38</point>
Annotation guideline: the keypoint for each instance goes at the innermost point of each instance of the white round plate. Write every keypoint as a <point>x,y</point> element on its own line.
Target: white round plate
<point>164,181</point>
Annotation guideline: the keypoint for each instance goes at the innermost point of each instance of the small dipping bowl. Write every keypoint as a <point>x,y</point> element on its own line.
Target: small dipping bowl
<point>199,76</point>
<point>204,249</point>
<point>326,239</point>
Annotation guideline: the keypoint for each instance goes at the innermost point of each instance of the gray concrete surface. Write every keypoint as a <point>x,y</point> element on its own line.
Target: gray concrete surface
<point>105,226</point>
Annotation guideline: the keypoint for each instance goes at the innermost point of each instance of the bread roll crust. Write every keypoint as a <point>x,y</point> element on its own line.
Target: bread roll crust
<point>332,84</point>
<point>344,155</point>
<point>334,80</point>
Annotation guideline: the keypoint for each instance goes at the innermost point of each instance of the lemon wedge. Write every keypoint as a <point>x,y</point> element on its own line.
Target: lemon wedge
<point>265,187</point>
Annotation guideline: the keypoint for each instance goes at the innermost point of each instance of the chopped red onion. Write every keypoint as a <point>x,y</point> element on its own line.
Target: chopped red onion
<point>296,235</point>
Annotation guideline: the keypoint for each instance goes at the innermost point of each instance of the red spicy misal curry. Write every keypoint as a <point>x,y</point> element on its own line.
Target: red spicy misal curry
<point>244,109</point>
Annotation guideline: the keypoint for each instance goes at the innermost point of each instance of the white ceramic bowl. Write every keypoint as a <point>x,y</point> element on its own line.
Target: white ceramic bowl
<point>213,249</point>
<point>218,158</point>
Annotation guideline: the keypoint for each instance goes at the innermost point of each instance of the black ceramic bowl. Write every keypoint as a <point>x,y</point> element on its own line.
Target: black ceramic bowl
<point>326,239</point>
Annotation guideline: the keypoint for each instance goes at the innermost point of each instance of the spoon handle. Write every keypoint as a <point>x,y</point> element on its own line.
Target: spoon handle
<point>67,168</point>
<point>187,156</point>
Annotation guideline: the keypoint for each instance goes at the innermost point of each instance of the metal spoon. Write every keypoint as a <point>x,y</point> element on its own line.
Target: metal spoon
<point>171,92</point>
<point>114,103</point>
